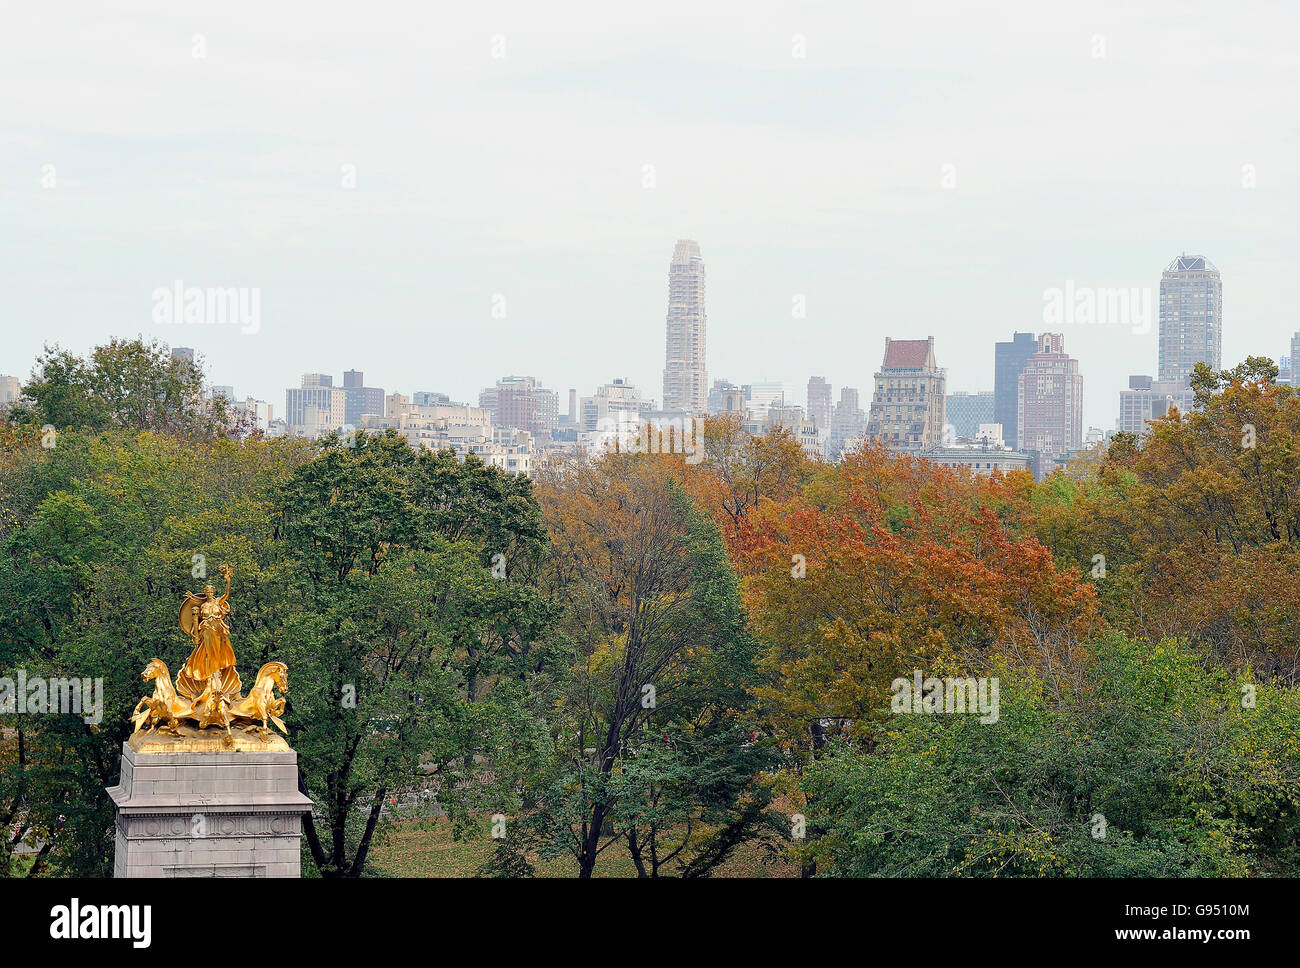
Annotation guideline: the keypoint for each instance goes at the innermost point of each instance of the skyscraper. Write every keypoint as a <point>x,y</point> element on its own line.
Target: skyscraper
<point>316,407</point>
<point>522,403</point>
<point>909,406</point>
<point>819,402</point>
<point>1191,317</point>
<point>966,411</point>
<point>618,401</point>
<point>1049,411</point>
<point>1008,360</point>
<point>1147,399</point>
<point>361,399</point>
<point>848,424</point>
<point>686,384</point>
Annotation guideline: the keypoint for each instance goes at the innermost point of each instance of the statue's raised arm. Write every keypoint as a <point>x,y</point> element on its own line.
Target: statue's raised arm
<point>225,573</point>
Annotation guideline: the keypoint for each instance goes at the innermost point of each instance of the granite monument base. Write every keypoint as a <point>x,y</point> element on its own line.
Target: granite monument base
<point>193,806</point>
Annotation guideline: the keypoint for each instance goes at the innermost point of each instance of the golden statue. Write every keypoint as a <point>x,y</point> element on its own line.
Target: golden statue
<point>208,691</point>
<point>203,617</point>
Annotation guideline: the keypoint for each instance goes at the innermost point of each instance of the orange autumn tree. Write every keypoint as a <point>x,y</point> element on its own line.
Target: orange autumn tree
<point>1210,523</point>
<point>886,564</point>
<point>741,471</point>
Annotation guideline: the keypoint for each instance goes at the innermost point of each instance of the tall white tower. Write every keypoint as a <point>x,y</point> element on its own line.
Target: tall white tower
<point>686,382</point>
<point>1191,317</point>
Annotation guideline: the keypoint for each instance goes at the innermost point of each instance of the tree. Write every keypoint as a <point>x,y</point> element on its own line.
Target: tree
<point>339,572</point>
<point>1151,766</point>
<point>749,467</point>
<point>651,735</point>
<point>1200,529</point>
<point>99,539</point>
<point>870,578</point>
<point>406,641</point>
<point>127,384</point>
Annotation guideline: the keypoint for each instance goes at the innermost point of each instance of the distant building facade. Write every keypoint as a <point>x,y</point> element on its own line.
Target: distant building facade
<point>848,424</point>
<point>315,408</point>
<point>1009,359</point>
<point>686,383</point>
<point>819,402</point>
<point>726,397</point>
<point>966,411</point>
<point>618,401</point>
<point>360,399</point>
<point>1191,317</point>
<point>1049,411</point>
<point>979,457</point>
<point>801,428</point>
<point>1149,399</point>
<point>523,403</point>
<point>909,406</point>
<point>761,397</point>
<point>259,413</point>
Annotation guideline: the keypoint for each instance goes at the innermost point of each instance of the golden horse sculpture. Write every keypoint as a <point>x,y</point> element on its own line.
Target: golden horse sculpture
<point>208,691</point>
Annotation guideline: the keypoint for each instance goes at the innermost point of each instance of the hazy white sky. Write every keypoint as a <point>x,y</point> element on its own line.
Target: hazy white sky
<point>127,162</point>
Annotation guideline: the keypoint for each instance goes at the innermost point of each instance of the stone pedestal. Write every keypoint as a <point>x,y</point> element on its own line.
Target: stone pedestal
<point>192,806</point>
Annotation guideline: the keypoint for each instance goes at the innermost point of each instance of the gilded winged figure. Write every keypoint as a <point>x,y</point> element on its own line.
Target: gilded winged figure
<point>208,692</point>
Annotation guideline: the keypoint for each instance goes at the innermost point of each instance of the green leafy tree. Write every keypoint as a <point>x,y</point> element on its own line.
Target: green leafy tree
<point>409,647</point>
<point>653,736</point>
<point>1153,768</point>
<point>130,384</point>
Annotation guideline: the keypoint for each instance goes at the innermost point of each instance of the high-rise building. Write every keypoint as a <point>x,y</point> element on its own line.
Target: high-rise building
<point>317,407</point>
<point>1148,399</point>
<point>1008,360</point>
<point>966,411</point>
<point>1191,317</point>
<point>361,399</point>
<point>819,402</point>
<point>761,397</point>
<point>848,424</point>
<point>520,402</point>
<point>618,401</point>
<point>908,408</point>
<point>11,389</point>
<point>487,400</point>
<point>1049,410</point>
<point>726,397</point>
<point>686,383</point>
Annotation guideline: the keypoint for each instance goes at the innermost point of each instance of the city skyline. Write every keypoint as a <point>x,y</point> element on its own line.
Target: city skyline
<point>898,172</point>
<point>1167,326</point>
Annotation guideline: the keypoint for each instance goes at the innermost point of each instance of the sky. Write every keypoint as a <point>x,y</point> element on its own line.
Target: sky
<point>440,195</point>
